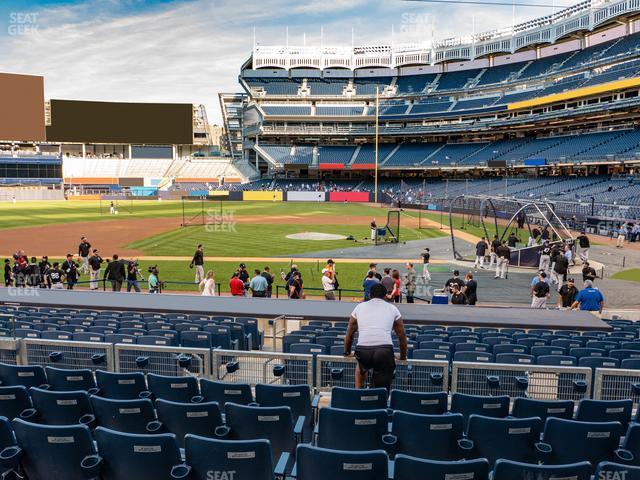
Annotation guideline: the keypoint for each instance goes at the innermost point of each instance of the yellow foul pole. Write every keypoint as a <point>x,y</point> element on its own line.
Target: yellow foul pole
<point>375,177</point>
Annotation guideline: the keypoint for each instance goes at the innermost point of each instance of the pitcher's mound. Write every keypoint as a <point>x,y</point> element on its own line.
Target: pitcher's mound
<point>315,236</point>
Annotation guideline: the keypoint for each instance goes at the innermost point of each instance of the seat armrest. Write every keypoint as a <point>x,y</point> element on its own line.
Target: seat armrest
<point>197,399</point>
<point>88,419</point>
<point>10,458</point>
<point>181,472</point>
<point>466,445</point>
<point>543,451</point>
<point>280,469</point>
<point>91,466</point>
<point>93,391</point>
<point>298,427</point>
<point>248,338</point>
<point>315,401</point>
<point>44,386</point>
<point>389,442</point>
<point>145,394</point>
<point>235,345</point>
<point>29,414</point>
<point>222,431</point>
<point>154,426</point>
<point>624,456</point>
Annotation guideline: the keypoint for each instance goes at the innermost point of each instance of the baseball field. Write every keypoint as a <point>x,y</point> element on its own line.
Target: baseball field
<point>256,233</point>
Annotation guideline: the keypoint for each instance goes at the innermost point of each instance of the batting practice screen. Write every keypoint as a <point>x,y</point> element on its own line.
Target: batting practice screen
<point>393,224</point>
<point>111,122</point>
<point>21,107</point>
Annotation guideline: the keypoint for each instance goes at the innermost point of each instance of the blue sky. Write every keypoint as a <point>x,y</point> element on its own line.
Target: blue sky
<point>189,50</point>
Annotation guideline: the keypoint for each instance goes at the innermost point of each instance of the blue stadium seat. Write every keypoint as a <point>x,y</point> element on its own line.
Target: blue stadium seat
<point>528,407</point>
<point>473,347</point>
<point>436,345</point>
<point>174,388</point>
<point>190,339</point>
<point>431,354</point>
<point>510,348</point>
<point>598,362</point>
<point>296,397</point>
<point>53,452</point>
<point>605,411</point>
<point>358,399</point>
<point>181,418</point>
<point>144,457</point>
<point>155,340</point>
<point>275,424</point>
<point>587,352</point>
<point>66,380</point>
<point>570,441</point>
<point>251,330</point>
<point>632,442</point>
<point>14,401</point>
<point>221,337</point>
<point>120,338</point>
<point>508,470</point>
<point>515,358</point>
<point>25,375</point>
<point>250,459</point>
<point>417,402</point>
<point>621,354</point>
<point>548,350</point>
<point>557,360</point>
<point>614,471</point>
<point>508,438</point>
<point>88,337</point>
<point>467,405</point>
<point>122,386</point>
<point>131,416</point>
<point>62,408</point>
<point>314,463</point>
<point>352,429</point>
<point>436,437</point>
<point>631,363</point>
<point>409,468</point>
<point>475,357</point>
<point>223,392</point>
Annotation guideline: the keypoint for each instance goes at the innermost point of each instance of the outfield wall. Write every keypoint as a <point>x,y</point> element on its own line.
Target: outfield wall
<point>265,196</point>
<point>306,196</point>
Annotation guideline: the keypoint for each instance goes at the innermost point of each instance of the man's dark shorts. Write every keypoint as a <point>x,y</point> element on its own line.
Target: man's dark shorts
<point>381,360</point>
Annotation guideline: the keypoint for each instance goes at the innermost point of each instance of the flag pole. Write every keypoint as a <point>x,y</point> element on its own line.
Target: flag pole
<point>375,178</point>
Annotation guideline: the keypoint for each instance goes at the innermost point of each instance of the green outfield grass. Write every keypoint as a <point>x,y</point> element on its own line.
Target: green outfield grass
<point>633,274</point>
<point>43,213</point>
<point>252,240</point>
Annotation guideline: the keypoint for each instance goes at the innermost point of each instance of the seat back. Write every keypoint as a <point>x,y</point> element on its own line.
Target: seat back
<point>67,380</point>
<point>272,423</point>
<point>358,399</point>
<point>131,416</point>
<point>195,339</point>
<point>351,429</point>
<point>509,438</point>
<point>314,463</point>
<point>418,402</point>
<point>605,411</point>
<point>573,441</point>
<point>223,392</point>
<point>182,418</point>
<point>13,401</point>
<point>53,452</point>
<point>476,357</point>
<point>509,470</point>
<point>296,397</point>
<point>428,436</point>
<point>25,375</point>
<point>143,457</point>
<point>121,386</point>
<point>467,405</point>
<point>557,360</point>
<point>409,468</point>
<point>528,407</point>
<point>246,458</point>
<point>174,389</point>
<point>61,408</point>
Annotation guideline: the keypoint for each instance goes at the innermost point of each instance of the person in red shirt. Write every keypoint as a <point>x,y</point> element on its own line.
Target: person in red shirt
<point>236,286</point>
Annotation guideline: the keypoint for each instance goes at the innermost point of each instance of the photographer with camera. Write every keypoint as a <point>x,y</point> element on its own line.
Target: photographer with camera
<point>132,276</point>
<point>155,285</point>
<point>95,264</point>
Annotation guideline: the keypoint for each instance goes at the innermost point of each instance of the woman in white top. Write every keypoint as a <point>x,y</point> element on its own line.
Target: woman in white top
<point>208,285</point>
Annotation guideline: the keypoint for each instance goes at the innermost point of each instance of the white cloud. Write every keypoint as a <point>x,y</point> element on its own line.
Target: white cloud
<point>188,52</point>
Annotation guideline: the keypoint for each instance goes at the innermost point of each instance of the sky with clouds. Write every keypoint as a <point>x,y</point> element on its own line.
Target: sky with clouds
<point>189,50</point>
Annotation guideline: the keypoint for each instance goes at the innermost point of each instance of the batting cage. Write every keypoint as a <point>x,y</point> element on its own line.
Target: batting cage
<point>390,233</point>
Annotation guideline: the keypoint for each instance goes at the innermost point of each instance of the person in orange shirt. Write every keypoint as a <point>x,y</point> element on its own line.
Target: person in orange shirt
<point>236,286</point>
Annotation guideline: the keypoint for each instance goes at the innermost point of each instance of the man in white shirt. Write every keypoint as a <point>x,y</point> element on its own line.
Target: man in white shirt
<point>328,284</point>
<point>375,320</point>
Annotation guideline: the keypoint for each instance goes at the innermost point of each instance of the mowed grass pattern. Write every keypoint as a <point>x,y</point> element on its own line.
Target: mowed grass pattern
<point>25,214</point>
<point>261,240</point>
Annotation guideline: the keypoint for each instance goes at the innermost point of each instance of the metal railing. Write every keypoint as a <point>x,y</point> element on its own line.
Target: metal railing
<point>617,384</point>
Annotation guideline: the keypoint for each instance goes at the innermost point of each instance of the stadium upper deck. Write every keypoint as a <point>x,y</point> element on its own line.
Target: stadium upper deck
<point>512,95</point>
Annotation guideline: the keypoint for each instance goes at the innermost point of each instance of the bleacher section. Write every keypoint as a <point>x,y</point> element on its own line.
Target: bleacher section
<point>468,402</point>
